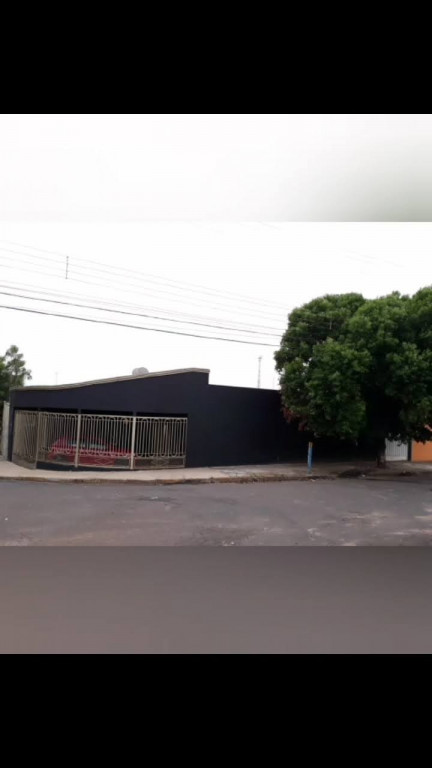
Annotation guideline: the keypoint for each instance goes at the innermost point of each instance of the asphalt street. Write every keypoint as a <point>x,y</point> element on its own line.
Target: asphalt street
<point>354,512</point>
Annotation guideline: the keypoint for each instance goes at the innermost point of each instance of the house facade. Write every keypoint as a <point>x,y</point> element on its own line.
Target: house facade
<point>167,418</point>
<point>414,451</point>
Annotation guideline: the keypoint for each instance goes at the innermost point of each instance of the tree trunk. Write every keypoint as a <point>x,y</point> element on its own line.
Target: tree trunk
<point>381,453</point>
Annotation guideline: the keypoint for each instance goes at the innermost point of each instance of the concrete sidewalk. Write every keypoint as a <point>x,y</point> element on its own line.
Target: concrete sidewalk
<point>239,474</point>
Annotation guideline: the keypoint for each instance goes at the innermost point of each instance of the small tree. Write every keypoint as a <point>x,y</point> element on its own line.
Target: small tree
<point>351,367</point>
<point>13,371</point>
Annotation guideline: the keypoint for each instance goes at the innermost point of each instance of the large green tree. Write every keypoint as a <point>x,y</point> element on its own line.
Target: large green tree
<point>352,367</point>
<point>13,371</point>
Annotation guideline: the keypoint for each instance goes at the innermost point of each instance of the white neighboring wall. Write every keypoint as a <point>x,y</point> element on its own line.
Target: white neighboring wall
<point>5,430</point>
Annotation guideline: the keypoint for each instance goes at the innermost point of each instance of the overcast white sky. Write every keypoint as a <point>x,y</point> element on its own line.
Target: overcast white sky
<point>201,200</point>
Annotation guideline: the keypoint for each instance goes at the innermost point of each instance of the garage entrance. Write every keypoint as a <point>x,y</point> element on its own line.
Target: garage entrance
<point>76,441</point>
<point>396,451</point>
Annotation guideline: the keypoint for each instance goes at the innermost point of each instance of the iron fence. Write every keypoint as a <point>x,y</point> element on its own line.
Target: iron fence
<point>98,440</point>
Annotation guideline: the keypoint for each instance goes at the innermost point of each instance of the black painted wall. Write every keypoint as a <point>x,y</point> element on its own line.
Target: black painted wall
<point>226,425</point>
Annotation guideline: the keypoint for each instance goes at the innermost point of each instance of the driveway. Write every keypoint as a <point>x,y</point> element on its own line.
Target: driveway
<point>315,513</point>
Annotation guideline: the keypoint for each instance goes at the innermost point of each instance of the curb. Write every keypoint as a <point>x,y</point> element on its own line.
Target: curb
<point>165,481</point>
<point>253,478</point>
<point>367,474</point>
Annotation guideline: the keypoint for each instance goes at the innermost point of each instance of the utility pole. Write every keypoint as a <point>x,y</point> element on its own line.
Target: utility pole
<point>259,372</point>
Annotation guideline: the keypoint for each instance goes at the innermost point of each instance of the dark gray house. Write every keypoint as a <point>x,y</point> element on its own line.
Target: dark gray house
<point>170,418</point>
<point>156,419</point>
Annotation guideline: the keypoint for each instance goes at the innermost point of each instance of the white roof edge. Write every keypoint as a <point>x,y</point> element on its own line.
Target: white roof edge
<point>240,386</point>
<point>116,378</point>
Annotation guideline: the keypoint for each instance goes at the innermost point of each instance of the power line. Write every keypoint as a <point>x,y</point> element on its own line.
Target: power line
<point>319,324</point>
<point>104,267</point>
<point>136,327</point>
<point>127,287</point>
<point>371,259</point>
<point>113,271</point>
<point>129,291</point>
<point>109,282</point>
<point>180,317</point>
<point>122,312</point>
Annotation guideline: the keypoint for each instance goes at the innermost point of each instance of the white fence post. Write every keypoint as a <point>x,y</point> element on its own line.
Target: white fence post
<point>37,439</point>
<point>132,456</point>
<point>5,430</point>
<point>78,438</point>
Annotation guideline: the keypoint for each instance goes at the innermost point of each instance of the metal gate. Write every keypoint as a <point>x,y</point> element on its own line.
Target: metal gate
<point>25,439</point>
<point>396,451</point>
<point>101,441</point>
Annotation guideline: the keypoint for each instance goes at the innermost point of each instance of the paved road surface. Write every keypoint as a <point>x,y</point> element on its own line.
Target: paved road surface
<point>328,512</point>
